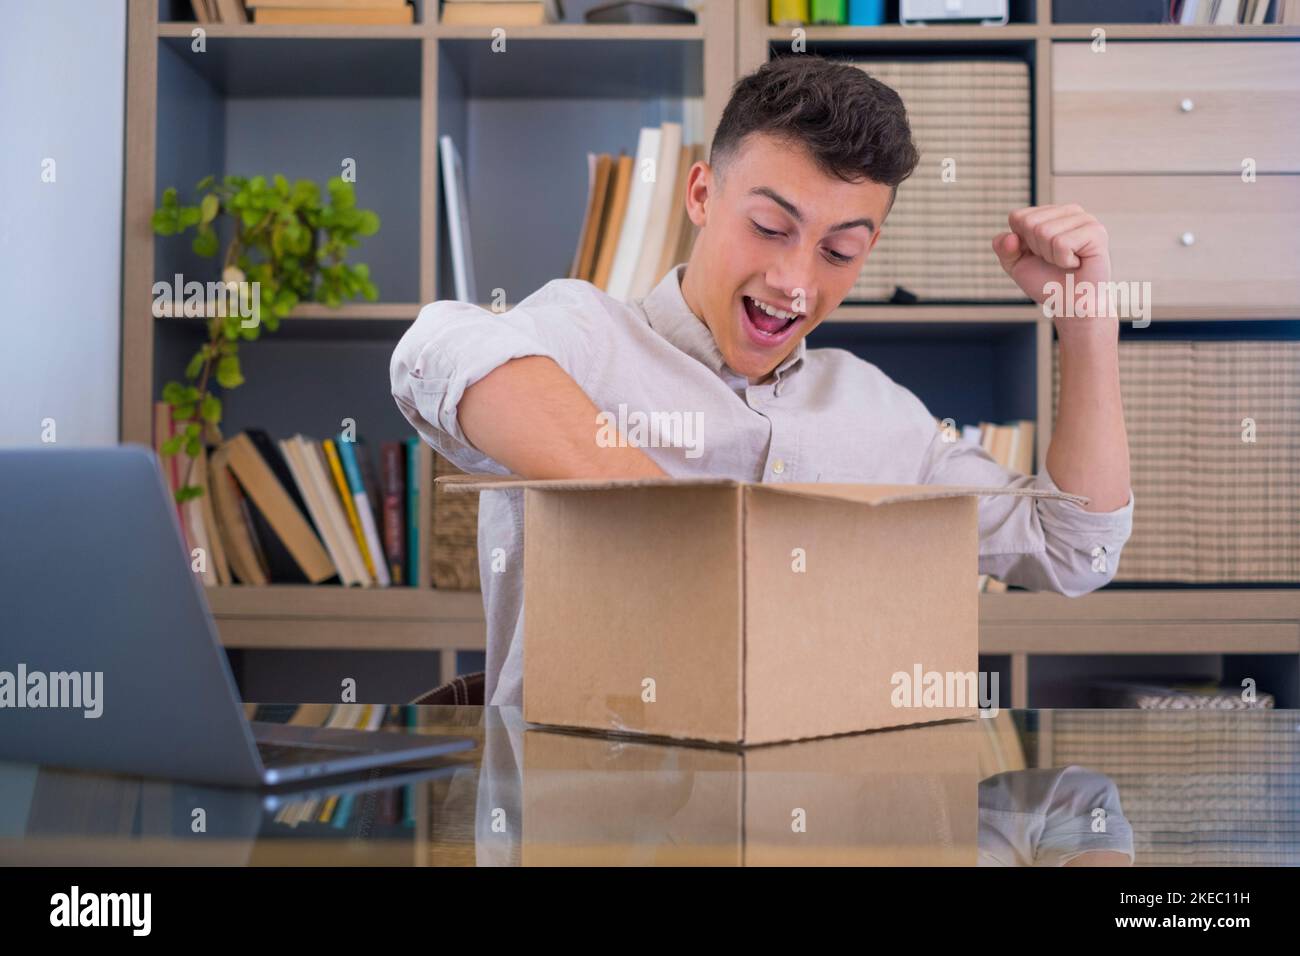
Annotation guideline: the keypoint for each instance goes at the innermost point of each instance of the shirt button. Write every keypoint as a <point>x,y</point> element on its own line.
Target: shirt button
<point>778,466</point>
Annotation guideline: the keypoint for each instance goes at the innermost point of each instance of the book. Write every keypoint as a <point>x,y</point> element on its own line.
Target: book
<point>324,4</point>
<point>370,481</point>
<point>348,456</point>
<point>413,508</point>
<point>216,553</point>
<point>282,526</point>
<point>163,430</point>
<point>1226,12</point>
<point>319,472</point>
<point>499,13</point>
<point>677,218</point>
<point>453,188</point>
<point>612,220</point>
<point>349,505</point>
<point>632,235</point>
<point>659,212</point>
<point>598,179</point>
<point>294,456</point>
<point>230,11</point>
<point>226,502</point>
<point>1025,463</point>
<point>398,16</point>
<point>323,478</point>
<point>605,168</point>
<point>392,478</point>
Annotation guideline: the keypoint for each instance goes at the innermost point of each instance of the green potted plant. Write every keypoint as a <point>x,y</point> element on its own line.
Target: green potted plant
<point>287,246</point>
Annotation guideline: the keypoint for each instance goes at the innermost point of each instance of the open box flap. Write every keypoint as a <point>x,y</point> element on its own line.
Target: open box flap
<point>862,494</point>
<point>455,483</point>
<point>890,494</point>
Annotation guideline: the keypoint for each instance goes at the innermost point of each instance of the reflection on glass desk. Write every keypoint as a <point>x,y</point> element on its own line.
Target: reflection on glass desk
<point>1024,788</point>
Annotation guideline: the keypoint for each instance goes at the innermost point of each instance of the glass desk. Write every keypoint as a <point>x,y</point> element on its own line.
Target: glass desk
<point>1044,788</point>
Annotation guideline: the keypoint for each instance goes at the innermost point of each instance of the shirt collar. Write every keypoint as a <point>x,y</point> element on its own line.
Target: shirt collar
<point>670,316</point>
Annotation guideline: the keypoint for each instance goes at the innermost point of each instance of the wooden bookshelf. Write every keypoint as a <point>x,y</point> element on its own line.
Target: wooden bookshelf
<point>416,82</point>
<point>236,107</point>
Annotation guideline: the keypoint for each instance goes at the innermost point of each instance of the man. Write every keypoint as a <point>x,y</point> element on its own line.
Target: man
<point>801,175</point>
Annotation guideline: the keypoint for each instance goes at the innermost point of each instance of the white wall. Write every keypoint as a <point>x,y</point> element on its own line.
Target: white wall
<point>62,88</point>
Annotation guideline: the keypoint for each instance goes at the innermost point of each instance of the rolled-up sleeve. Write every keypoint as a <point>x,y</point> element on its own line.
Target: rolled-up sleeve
<point>1044,544</point>
<point>452,345</point>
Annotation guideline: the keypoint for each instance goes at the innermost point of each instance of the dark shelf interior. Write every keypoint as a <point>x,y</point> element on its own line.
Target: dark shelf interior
<point>966,371</point>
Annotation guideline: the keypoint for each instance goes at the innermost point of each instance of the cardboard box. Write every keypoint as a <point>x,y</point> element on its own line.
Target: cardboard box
<point>741,613</point>
<point>905,797</point>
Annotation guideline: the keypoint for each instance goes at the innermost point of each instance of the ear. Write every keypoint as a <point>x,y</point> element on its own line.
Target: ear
<point>700,186</point>
<point>875,237</point>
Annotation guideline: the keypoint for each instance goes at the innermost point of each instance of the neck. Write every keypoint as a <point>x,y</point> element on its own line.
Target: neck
<point>690,293</point>
<point>690,281</point>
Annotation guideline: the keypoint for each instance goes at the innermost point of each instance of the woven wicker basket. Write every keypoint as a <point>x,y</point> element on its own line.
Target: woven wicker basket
<point>973,116</point>
<point>453,556</point>
<point>1209,507</point>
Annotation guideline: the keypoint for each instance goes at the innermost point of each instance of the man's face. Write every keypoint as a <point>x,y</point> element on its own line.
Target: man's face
<point>776,232</point>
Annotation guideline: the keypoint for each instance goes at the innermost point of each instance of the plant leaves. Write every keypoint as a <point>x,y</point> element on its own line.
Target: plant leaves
<point>189,492</point>
<point>208,208</point>
<point>228,373</point>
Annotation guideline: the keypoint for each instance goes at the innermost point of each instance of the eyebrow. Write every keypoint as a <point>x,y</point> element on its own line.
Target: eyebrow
<point>794,212</point>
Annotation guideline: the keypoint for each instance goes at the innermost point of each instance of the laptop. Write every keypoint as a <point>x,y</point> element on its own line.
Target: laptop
<point>109,655</point>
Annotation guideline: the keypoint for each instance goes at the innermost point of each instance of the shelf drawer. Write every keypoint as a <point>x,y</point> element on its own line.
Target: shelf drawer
<point>1199,240</point>
<point>1175,107</point>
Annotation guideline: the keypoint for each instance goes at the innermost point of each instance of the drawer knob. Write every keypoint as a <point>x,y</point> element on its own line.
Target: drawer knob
<point>1186,105</point>
<point>1187,239</point>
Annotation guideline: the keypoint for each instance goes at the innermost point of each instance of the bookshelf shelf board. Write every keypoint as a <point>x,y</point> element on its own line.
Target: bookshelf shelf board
<point>348,311</point>
<point>893,32</point>
<point>249,63</point>
<point>335,602</point>
<point>1201,620</point>
<point>303,31</point>
<point>1173,31</point>
<point>341,634</point>
<point>406,311</point>
<point>1191,313</point>
<point>563,67</point>
<point>1202,604</point>
<point>859,312</point>
<point>586,32</point>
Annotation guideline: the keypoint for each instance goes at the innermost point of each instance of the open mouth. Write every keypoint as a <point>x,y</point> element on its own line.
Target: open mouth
<point>768,325</point>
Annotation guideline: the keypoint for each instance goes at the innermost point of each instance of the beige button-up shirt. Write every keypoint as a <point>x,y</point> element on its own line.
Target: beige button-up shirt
<point>653,369</point>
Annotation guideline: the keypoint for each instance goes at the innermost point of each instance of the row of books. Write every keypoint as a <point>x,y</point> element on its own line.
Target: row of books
<point>635,227</point>
<point>1186,12</point>
<point>501,13</point>
<point>297,511</point>
<point>219,11</point>
<point>351,12</point>
<point>1011,445</point>
<point>387,807</point>
<point>1229,12</point>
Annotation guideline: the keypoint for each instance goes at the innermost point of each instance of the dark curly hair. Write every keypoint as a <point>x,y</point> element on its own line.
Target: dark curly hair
<point>854,126</point>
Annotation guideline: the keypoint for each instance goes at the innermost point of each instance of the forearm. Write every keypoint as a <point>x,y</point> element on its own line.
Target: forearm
<point>1088,454</point>
<point>534,419</point>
